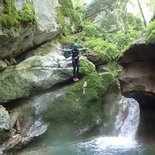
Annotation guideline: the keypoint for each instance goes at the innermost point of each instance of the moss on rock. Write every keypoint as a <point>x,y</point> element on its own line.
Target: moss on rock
<point>13,17</point>
<point>66,9</point>
<point>86,67</point>
<point>107,80</point>
<point>80,106</point>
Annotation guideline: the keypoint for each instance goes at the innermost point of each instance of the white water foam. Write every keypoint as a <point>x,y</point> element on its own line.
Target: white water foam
<point>131,122</point>
<point>127,122</point>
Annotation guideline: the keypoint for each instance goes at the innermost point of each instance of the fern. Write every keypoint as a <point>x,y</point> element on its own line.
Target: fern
<point>13,17</point>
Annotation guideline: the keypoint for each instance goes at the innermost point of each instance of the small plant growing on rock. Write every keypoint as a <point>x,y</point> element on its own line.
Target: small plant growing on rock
<point>13,17</point>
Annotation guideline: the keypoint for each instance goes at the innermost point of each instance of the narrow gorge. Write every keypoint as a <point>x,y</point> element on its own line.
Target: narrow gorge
<point>109,111</point>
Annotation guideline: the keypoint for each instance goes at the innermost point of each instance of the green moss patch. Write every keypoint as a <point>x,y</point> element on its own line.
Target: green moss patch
<point>13,17</point>
<point>66,9</point>
<point>80,106</point>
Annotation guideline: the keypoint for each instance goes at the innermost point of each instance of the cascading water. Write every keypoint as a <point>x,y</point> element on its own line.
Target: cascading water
<point>127,120</point>
<point>123,143</point>
<point>126,125</point>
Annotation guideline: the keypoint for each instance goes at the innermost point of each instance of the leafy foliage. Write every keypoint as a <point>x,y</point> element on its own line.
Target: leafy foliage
<point>106,44</point>
<point>132,22</point>
<point>67,12</point>
<point>80,6</point>
<point>12,17</point>
<point>27,14</point>
<point>105,49</point>
<point>123,40</point>
<point>91,30</point>
<point>113,15</point>
<point>114,45</point>
<point>11,14</point>
<point>150,32</point>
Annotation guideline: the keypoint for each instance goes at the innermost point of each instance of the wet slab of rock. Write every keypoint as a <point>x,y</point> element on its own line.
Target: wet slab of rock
<point>3,65</point>
<point>33,74</point>
<point>70,108</point>
<point>137,79</point>
<point>4,124</point>
<point>14,42</point>
<point>96,59</point>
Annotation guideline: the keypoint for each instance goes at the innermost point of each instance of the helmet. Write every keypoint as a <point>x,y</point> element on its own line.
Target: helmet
<point>75,45</point>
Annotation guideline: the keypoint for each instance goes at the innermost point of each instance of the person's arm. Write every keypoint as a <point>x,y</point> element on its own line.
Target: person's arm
<point>82,49</point>
<point>66,50</point>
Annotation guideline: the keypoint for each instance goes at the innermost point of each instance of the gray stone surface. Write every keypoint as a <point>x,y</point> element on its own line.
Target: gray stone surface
<point>45,14</point>
<point>59,110</point>
<point>4,118</point>
<point>3,65</point>
<point>14,42</point>
<point>4,123</point>
<point>34,74</point>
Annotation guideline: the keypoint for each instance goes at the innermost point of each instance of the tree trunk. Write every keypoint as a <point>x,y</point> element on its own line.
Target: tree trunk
<point>142,13</point>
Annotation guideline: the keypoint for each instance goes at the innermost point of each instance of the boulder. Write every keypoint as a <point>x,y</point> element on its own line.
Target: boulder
<point>4,124</point>
<point>33,74</point>
<point>15,41</point>
<point>69,109</point>
<point>3,65</point>
<point>96,59</point>
<point>137,79</point>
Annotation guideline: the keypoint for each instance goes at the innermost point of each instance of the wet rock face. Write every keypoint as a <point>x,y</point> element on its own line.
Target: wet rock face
<point>75,108</point>
<point>15,42</point>
<point>4,124</point>
<point>146,128</point>
<point>34,74</point>
<point>3,65</point>
<point>137,79</point>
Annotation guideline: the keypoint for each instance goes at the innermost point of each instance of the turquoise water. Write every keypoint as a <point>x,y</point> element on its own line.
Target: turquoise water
<point>124,144</point>
<point>107,146</point>
<point>97,146</point>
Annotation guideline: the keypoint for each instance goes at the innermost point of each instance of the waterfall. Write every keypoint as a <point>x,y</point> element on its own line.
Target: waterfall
<point>124,143</point>
<point>126,124</point>
<point>127,120</point>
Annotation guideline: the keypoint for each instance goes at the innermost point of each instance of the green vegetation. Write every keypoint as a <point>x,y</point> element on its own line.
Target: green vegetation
<point>106,40</point>
<point>150,32</point>
<point>80,105</point>
<point>107,44</point>
<point>68,17</point>
<point>12,17</point>
<point>104,49</point>
<point>112,46</point>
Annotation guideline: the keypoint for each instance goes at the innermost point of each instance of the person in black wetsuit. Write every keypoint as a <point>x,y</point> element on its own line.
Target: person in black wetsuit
<point>75,58</point>
<point>75,61</point>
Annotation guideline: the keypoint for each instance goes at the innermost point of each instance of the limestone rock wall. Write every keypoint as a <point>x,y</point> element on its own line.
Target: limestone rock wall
<point>15,41</point>
<point>138,77</point>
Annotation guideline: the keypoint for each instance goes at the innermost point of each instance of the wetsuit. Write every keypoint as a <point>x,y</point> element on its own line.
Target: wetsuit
<point>75,58</point>
<point>75,61</point>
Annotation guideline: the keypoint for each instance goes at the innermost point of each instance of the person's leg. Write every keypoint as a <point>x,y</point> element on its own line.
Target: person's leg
<point>74,69</point>
<point>77,69</point>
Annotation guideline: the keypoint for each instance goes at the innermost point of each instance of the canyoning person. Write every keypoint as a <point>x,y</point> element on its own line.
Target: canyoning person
<point>75,62</point>
<point>75,59</point>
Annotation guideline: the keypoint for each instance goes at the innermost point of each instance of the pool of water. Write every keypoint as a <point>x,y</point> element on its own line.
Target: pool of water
<point>107,146</point>
<point>124,144</point>
<point>97,146</point>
